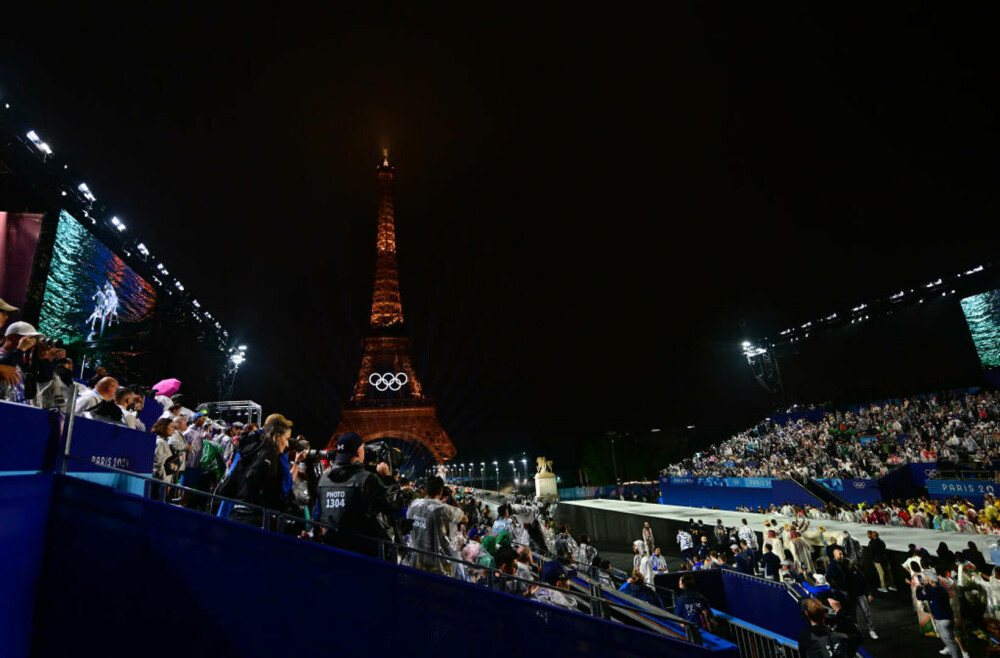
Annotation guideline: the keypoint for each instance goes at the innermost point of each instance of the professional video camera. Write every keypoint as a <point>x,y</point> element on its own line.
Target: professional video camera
<point>375,452</point>
<point>380,451</point>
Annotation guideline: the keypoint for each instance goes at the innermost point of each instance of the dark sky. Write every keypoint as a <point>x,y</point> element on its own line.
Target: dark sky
<point>587,206</point>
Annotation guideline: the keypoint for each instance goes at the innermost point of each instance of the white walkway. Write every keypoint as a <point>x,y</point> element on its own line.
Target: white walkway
<point>896,539</point>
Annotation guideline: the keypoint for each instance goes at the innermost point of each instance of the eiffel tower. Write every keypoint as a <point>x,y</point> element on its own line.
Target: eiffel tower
<point>388,401</point>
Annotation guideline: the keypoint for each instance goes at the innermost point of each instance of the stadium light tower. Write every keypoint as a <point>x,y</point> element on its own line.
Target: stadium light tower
<point>764,365</point>
<point>235,358</point>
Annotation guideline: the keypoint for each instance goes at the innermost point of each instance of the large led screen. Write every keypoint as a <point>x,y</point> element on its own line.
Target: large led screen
<point>982,312</point>
<point>93,300</point>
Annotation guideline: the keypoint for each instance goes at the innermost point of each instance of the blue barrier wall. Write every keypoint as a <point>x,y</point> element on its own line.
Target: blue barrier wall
<point>762,603</point>
<point>30,441</point>
<point>708,582</point>
<point>26,437</point>
<point>906,480</point>
<point>97,444</point>
<point>24,514</point>
<point>853,490</point>
<point>971,489</point>
<point>124,576</point>
<point>730,493</point>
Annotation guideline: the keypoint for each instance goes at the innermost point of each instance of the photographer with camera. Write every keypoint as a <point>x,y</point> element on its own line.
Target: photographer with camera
<point>41,386</point>
<point>351,498</point>
<point>431,518</point>
<point>19,339</point>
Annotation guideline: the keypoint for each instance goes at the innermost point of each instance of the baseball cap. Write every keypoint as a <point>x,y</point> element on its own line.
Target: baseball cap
<point>347,445</point>
<point>553,571</point>
<point>7,308</point>
<point>277,417</point>
<point>21,329</point>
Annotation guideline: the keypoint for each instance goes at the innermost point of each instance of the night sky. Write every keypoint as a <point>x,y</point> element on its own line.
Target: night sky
<point>592,211</point>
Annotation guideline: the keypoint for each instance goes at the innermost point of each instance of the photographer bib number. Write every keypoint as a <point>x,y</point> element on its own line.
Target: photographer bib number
<point>335,499</point>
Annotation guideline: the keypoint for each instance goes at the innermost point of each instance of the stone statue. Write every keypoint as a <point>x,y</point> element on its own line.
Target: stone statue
<point>544,466</point>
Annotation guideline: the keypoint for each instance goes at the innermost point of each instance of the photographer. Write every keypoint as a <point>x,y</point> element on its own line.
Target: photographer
<point>351,498</point>
<point>19,339</point>
<point>431,518</point>
<point>258,476</point>
<point>41,386</point>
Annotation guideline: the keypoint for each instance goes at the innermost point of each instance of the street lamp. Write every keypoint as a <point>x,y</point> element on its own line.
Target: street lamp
<point>496,470</point>
<point>524,462</point>
<point>482,475</point>
<point>513,469</point>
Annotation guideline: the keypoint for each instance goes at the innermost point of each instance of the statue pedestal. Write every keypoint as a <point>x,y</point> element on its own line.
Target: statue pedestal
<point>545,485</point>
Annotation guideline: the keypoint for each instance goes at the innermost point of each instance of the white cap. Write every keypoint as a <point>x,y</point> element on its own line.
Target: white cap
<point>21,329</point>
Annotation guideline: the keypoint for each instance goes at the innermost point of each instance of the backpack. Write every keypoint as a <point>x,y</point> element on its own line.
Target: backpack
<point>208,461</point>
<point>230,485</point>
<point>831,645</point>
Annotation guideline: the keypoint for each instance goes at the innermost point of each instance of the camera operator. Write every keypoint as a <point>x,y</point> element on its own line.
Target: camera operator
<point>41,386</point>
<point>19,339</point>
<point>303,465</point>
<point>307,470</point>
<point>351,498</point>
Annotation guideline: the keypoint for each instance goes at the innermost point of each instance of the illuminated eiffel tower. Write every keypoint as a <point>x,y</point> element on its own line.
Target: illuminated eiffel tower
<point>388,401</point>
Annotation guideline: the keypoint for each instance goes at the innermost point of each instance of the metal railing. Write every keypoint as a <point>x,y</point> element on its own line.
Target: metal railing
<point>753,641</point>
<point>588,596</point>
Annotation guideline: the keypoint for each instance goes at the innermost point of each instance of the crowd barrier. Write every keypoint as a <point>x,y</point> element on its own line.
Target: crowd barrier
<point>141,559</point>
<point>31,438</point>
<point>907,481</point>
<point>853,490</point>
<point>971,489</point>
<point>767,605</point>
<point>730,493</point>
<point>627,491</point>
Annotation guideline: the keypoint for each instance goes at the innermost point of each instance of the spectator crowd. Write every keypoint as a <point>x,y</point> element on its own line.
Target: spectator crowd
<point>950,428</point>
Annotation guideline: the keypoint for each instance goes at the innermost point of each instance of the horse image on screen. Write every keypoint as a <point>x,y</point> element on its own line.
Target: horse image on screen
<point>92,298</point>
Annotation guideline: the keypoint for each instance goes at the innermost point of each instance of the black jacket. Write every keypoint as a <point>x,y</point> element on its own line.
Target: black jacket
<point>259,480</point>
<point>876,548</point>
<point>351,499</point>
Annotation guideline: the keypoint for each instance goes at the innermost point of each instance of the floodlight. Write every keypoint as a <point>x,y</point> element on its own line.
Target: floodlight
<point>117,223</point>
<point>142,249</point>
<point>87,194</point>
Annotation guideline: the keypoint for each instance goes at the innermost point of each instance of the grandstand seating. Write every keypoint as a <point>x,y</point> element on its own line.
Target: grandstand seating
<point>97,569</point>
